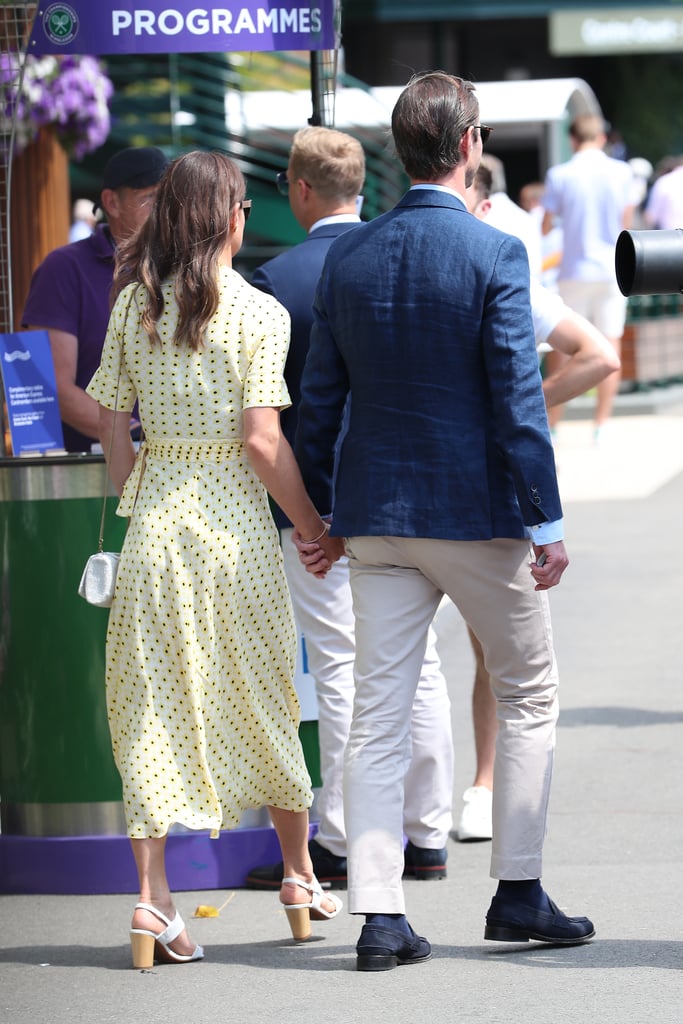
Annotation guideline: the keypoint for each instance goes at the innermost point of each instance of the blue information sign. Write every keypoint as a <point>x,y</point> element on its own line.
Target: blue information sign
<point>31,392</point>
<point>182,26</point>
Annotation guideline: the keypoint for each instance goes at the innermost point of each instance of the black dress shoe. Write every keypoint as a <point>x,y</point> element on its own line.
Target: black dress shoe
<point>381,949</point>
<point>328,869</point>
<point>512,921</point>
<point>424,864</point>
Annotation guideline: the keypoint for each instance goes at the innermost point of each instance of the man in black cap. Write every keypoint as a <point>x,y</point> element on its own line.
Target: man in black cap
<point>69,293</point>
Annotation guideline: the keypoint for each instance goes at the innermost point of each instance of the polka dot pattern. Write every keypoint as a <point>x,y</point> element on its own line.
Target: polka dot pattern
<point>201,640</point>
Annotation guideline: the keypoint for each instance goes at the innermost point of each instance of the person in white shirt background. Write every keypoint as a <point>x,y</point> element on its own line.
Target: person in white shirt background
<point>589,359</point>
<point>84,220</point>
<point>592,195</point>
<point>664,206</point>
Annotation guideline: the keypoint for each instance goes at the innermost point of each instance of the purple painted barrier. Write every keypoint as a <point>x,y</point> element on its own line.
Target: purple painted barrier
<point>82,865</point>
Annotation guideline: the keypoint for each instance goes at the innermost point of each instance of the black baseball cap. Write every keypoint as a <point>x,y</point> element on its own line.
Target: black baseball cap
<point>135,167</point>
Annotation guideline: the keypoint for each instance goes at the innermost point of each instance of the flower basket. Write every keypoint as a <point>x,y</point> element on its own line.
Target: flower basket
<point>68,93</point>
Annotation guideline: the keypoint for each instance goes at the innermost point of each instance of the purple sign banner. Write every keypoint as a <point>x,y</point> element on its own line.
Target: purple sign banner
<point>181,26</point>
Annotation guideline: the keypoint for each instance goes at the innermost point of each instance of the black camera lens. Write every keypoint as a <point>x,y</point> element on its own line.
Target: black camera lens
<point>649,262</point>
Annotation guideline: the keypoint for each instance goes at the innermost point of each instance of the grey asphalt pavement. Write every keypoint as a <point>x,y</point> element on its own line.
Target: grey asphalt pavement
<point>613,849</point>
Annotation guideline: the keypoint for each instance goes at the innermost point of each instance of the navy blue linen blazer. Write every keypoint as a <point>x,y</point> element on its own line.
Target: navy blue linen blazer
<point>423,316</point>
<point>292,278</point>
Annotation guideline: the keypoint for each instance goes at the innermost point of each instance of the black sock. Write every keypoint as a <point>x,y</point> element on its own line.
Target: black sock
<point>395,922</point>
<point>529,891</point>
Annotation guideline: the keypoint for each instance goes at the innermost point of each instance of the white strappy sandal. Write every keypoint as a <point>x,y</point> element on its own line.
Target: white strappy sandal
<point>300,915</point>
<point>143,941</point>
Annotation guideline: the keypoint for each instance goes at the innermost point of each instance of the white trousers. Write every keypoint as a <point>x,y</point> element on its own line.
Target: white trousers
<point>324,613</point>
<point>397,584</point>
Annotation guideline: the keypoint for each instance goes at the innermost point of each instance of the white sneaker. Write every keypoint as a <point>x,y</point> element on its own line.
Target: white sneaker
<point>476,820</point>
<point>602,435</point>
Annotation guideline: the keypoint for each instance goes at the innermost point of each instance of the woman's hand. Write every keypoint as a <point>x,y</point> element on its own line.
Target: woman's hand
<point>318,556</point>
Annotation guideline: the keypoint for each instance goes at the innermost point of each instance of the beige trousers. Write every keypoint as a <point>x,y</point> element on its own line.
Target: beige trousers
<point>397,584</point>
<point>324,612</point>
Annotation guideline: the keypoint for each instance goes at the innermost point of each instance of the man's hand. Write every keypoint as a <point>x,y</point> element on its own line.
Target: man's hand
<point>551,561</point>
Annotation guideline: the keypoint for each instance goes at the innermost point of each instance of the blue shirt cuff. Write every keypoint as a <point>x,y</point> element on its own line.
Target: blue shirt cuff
<point>546,533</point>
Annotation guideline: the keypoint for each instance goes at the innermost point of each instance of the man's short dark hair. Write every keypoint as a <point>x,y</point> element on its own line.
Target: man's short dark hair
<point>428,122</point>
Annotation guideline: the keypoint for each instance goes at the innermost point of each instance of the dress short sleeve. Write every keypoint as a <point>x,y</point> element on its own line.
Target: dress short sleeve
<point>264,384</point>
<point>112,373</point>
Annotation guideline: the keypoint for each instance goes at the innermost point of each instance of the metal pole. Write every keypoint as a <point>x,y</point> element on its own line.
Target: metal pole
<point>324,66</point>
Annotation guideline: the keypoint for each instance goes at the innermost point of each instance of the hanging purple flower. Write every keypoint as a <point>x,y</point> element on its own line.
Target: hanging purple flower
<point>70,93</point>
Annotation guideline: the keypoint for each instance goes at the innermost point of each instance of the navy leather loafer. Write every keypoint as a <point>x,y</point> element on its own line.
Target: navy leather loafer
<point>328,869</point>
<point>382,949</point>
<point>424,864</point>
<point>511,921</point>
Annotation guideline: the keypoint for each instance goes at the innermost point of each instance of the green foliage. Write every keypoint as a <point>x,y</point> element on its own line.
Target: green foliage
<point>645,100</point>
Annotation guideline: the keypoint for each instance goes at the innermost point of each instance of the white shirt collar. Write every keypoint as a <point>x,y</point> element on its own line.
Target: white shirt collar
<point>336,218</point>
<point>440,188</point>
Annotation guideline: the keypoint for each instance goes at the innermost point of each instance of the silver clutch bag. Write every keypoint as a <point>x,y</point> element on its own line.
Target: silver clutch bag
<point>99,578</point>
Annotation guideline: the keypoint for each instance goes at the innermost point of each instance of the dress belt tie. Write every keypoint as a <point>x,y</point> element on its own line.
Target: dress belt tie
<point>174,450</point>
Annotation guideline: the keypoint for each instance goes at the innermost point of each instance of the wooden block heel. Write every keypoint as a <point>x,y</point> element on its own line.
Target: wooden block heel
<point>300,922</point>
<point>300,915</point>
<point>142,946</point>
<point>146,944</point>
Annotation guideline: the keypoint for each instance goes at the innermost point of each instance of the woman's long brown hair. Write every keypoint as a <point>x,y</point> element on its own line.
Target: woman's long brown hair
<point>184,236</point>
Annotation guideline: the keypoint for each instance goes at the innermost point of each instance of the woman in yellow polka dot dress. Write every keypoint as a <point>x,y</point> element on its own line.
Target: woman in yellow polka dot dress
<point>201,641</point>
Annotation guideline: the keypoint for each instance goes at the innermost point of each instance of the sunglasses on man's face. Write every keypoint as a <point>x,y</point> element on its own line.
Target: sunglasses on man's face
<point>485,131</point>
<point>245,206</point>
<point>282,183</point>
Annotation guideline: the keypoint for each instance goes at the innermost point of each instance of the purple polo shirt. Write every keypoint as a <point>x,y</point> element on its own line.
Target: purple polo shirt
<point>70,292</point>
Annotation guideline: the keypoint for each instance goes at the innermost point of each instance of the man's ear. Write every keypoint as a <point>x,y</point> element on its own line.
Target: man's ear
<point>466,143</point>
<point>109,201</point>
<point>303,188</point>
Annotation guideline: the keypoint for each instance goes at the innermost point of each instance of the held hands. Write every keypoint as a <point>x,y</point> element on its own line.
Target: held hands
<point>551,561</point>
<point>319,555</point>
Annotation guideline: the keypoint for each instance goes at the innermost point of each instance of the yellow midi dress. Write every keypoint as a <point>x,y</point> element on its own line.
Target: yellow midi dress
<point>201,640</point>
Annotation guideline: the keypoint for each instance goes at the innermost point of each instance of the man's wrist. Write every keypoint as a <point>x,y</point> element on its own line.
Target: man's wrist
<point>546,533</point>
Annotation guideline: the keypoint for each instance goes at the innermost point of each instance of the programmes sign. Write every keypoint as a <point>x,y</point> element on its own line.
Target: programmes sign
<point>181,26</point>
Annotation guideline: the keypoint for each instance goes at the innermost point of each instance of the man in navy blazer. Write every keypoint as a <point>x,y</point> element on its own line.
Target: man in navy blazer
<point>323,180</point>
<point>445,485</point>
